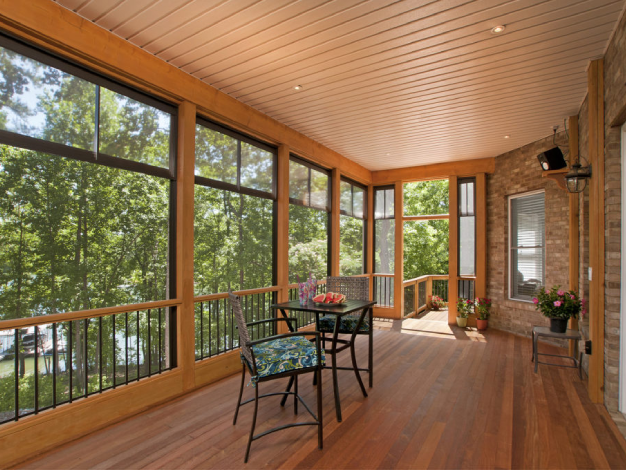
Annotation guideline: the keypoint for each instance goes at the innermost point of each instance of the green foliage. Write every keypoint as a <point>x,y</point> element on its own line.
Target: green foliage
<point>464,307</point>
<point>483,307</point>
<point>425,248</point>
<point>557,303</point>
<point>350,245</point>
<point>426,197</point>
<point>308,243</point>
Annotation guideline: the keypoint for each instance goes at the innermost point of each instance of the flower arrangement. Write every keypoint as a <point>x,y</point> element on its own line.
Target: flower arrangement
<point>557,303</point>
<point>464,307</point>
<point>437,302</point>
<point>306,289</point>
<point>482,307</point>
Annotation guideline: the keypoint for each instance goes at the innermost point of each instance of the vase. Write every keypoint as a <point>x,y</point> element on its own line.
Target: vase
<point>558,325</point>
<point>481,324</point>
<point>461,322</point>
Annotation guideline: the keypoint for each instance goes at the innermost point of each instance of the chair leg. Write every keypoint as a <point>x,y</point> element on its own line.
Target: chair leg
<point>320,426</point>
<point>243,379</point>
<point>355,367</point>
<point>295,396</point>
<point>256,409</point>
<point>287,390</point>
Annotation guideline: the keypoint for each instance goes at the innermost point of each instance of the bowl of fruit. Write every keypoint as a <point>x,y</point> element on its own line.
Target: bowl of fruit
<point>329,298</point>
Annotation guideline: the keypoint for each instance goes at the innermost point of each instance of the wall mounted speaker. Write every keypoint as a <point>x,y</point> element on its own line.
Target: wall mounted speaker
<point>552,159</point>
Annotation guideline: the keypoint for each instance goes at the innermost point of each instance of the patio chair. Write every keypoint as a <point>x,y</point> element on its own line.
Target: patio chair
<point>275,357</point>
<point>354,288</point>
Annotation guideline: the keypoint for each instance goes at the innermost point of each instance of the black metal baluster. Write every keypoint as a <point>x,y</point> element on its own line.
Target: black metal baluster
<point>55,359</point>
<point>71,371</point>
<point>232,327</point>
<point>126,344</point>
<point>217,315</point>
<point>160,358</point>
<point>137,346</point>
<point>16,349</point>
<point>246,316</point>
<point>100,353</point>
<point>149,345</point>
<point>114,352</point>
<point>201,331</point>
<point>36,367</point>
<point>210,336</point>
<point>86,360</point>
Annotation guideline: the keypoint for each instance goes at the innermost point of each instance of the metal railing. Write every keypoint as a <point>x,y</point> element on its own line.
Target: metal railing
<point>384,290</point>
<point>46,365</point>
<point>466,288</point>
<point>419,291</point>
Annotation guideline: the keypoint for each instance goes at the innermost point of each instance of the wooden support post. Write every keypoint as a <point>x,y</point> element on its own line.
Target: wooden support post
<point>596,229</point>
<point>429,289</point>
<point>369,238</point>
<point>453,249</point>
<point>480,284</point>
<point>573,225</point>
<point>184,241</point>
<point>282,228</point>
<point>398,271</point>
<point>335,194</point>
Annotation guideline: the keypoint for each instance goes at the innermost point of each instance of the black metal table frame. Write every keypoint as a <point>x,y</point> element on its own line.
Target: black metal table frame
<point>339,311</point>
<point>570,334</point>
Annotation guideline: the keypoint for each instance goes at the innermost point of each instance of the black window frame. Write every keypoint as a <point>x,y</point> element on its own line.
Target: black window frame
<point>354,184</point>
<point>462,214</point>
<point>384,217</point>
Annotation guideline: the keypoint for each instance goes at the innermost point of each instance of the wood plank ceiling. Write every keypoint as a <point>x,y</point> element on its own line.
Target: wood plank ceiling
<point>388,84</point>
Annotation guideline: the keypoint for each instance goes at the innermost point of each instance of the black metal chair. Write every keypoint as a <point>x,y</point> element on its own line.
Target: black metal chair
<point>275,357</point>
<point>354,288</point>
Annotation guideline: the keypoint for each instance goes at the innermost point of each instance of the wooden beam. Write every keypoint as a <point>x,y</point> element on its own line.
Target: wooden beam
<point>57,29</point>
<point>184,241</point>
<point>282,223</point>
<point>435,171</point>
<point>558,176</point>
<point>574,228</point>
<point>596,229</point>
<point>453,249</point>
<point>335,194</point>
<point>480,284</point>
<point>398,271</point>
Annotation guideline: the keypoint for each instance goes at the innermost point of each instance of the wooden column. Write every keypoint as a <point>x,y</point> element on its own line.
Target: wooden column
<point>453,249</point>
<point>184,241</point>
<point>574,238</point>
<point>596,229</point>
<point>369,251</point>
<point>282,223</point>
<point>480,285</point>
<point>398,291</point>
<point>335,221</point>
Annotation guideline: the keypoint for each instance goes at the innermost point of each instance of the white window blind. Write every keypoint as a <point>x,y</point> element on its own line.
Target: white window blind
<point>527,245</point>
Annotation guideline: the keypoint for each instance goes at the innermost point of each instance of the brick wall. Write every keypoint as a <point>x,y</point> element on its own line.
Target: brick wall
<point>517,172</point>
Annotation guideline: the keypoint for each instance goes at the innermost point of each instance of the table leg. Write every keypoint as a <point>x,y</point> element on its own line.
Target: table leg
<point>334,367</point>
<point>370,355</point>
<point>535,352</point>
<point>291,379</point>
<point>353,352</point>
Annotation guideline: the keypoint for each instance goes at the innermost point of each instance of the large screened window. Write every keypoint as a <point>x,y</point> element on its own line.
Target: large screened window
<point>309,220</point>
<point>467,226</point>
<point>86,173</point>
<point>526,245</point>
<point>353,200</point>
<point>234,211</point>
<point>384,230</point>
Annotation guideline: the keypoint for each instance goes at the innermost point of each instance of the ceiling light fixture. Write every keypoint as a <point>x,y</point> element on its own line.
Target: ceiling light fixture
<point>298,87</point>
<point>507,136</point>
<point>498,29</point>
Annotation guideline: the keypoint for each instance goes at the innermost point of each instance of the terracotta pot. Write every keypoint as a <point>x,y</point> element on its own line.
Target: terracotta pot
<point>461,322</point>
<point>481,324</point>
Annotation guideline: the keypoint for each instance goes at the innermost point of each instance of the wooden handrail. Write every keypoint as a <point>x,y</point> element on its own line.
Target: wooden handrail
<point>383,275</point>
<point>224,295</point>
<point>82,314</point>
<point>434,277</point>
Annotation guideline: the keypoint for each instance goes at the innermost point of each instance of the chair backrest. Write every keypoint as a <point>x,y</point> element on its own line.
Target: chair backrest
<point>354,288</point>
<point>244,336</point>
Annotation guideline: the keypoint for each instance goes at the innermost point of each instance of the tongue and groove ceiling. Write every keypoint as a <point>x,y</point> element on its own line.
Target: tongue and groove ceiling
<point>388,84</point>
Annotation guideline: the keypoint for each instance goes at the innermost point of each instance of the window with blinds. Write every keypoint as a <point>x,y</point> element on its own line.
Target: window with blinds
<point>526,245</point>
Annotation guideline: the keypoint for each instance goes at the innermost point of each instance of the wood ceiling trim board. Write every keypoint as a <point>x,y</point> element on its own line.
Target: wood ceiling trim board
<point>420,173</point>
<point>161,18</point>
<point>385,69</point>
<point>259,31</point>
<point>480,61</point>
<point>425,43</point>
<point>57,29</point>
<point>123,13</point>
<point>317,43</point>
<point>171,45</point>
<point>71,4</point>
<point>95,9</point>
<point>184,52</point>
<point>276,34</point>
<point>418,104</point>
<point>397,45</point>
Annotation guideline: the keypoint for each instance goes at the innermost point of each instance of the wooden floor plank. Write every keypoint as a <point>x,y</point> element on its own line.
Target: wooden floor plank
<point>443,397</point>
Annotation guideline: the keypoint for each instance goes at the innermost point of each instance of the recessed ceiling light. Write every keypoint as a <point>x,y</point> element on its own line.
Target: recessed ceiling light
<point>388,154</point>
<point>507,136</point>
<point>498,29</point>
<point>298,87</point>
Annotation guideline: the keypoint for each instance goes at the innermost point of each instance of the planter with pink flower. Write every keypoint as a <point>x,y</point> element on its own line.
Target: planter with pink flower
<point>559,306</point>
<point>482,306</point>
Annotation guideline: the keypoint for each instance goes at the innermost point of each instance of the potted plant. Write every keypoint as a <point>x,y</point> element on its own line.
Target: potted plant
<point>437,303</point>
<point>463,309</point>
<point>558,305</point>
<point>482,305</point>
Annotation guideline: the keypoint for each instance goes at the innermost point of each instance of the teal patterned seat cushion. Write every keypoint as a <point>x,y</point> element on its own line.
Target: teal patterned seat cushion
<point>284,355</point>
<point>347,325</point>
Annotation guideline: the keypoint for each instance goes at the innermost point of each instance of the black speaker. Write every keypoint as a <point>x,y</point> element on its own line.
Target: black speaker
<point>552,159</point>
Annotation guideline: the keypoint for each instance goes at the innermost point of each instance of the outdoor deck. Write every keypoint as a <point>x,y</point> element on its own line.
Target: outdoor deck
<point>441,399</point>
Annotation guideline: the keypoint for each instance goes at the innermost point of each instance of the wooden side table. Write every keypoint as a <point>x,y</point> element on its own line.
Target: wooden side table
<point>569,334</point>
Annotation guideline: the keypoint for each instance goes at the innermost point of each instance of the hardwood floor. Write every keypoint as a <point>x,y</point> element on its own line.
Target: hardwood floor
<point>457,400</point>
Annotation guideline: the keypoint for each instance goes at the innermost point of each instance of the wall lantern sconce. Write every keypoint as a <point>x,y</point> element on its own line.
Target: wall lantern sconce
<point>576,178</point>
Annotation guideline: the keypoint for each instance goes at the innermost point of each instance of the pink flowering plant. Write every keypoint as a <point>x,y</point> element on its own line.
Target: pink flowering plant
<point>482,305</point>
<point>557,303</point>
<point>464,307</point>
<point>437,302</point>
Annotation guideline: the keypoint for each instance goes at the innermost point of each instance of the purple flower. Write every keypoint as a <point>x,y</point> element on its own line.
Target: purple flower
<point>558,303</point>
<point>535,300</point>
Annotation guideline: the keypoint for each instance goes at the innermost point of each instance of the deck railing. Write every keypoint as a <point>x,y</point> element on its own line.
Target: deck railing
<point>419,291</point>
<point>384,290</point>
<point>50,363</point>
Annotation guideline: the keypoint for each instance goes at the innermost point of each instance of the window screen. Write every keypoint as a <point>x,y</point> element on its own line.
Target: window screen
<point>527,245</point>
